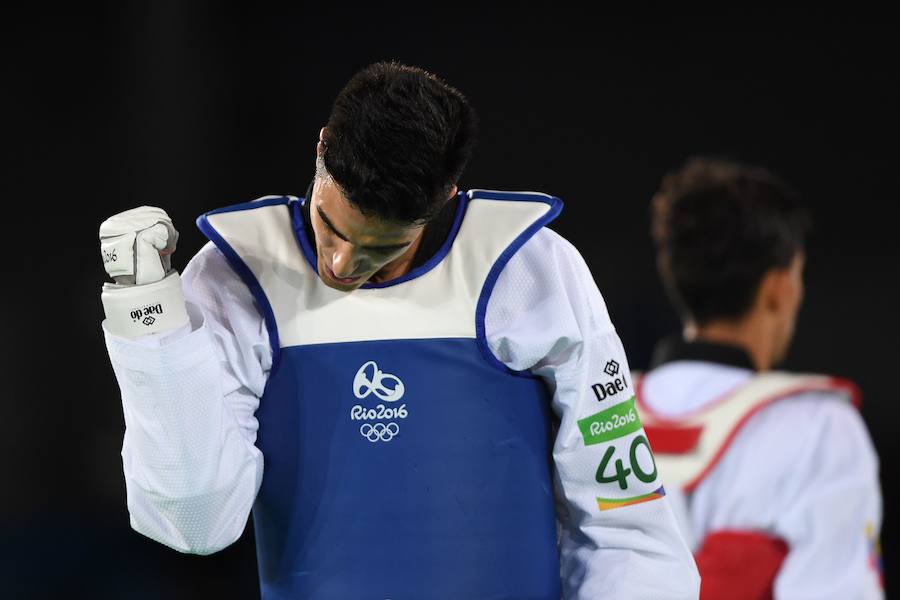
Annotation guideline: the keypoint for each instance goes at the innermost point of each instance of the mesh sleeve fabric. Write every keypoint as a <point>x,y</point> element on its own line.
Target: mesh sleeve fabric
<point>189,398</point>
<point>547,315</point>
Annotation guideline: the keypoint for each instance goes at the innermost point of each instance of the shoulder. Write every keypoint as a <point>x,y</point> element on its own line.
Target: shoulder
<point>546,242</point>
<point>818,433</point>
<point>208,261</point>
<point>803,407</point>
<point>548,284</point>
<point>800,449</point>
<point>256,203</point>
<point>817,400</point>
<point>209,279</point>
<point>807,411</point>
<point>771,425</point>
<point>824,419</point>
<point>551,261</point>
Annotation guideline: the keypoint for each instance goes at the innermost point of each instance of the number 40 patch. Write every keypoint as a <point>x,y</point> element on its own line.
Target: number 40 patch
<point>611,424</point>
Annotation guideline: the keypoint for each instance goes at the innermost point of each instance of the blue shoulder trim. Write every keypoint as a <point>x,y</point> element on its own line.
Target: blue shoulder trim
<point>556,206</point>
<point>258,203</point>
<point>297,222</point>
<point>241,268</point>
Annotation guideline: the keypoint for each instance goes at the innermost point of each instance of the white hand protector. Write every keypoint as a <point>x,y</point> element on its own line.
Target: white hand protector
<point>131,242</point>
<point>147,296</point>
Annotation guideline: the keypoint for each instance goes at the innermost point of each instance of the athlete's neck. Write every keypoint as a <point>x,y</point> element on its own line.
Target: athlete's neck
<point>748,334</point>
<point>403,263</point>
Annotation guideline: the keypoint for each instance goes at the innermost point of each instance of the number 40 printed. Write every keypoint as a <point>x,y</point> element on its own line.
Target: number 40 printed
<point>621,472</point>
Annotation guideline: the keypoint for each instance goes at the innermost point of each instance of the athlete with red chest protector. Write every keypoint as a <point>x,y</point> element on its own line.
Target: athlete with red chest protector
<point>773,474</point>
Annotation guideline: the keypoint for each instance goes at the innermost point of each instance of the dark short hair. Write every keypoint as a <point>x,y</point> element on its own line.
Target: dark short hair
<point>397,140</point>
<point>719,226</point>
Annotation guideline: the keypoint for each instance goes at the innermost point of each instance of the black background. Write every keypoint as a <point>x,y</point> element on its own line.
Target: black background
<point>191,106</point>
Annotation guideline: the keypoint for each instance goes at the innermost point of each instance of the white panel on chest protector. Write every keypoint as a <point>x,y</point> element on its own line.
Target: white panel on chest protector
<point>722,419</point>
<point>439,304</point>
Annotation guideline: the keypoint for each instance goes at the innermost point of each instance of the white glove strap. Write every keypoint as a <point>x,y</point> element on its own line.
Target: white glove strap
<point>136,310</point>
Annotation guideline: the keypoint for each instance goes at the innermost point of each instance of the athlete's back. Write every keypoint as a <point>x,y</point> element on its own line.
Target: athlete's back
<point>773,476</point>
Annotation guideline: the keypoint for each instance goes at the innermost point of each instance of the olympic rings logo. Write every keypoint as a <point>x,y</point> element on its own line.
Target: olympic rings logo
<point>379,431</point>
<point>363,385</point>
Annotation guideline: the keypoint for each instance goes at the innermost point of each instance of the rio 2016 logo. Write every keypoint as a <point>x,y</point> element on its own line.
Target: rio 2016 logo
<point>369,379</point>
<point>615,422</point>
<point>363,385</point>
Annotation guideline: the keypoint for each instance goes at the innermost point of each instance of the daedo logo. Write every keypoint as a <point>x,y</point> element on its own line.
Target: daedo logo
<point>370,380</point>
<point>145,314</point>
<point>610,388</point>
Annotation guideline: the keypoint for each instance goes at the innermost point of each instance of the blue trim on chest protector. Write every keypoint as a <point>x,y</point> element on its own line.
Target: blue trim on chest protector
<point>454,500</point>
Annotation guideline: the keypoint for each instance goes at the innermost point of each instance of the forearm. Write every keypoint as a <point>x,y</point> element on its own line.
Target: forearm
<point>629,555</point>
<point>191,473</point>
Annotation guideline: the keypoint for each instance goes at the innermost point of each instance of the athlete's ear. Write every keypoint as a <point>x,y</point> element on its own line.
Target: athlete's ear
<point>775,290</point>
<point>320,146</point>
<point>453,192</point>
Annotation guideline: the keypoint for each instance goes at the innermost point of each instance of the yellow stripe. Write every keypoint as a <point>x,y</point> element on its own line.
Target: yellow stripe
<point>611,503</point>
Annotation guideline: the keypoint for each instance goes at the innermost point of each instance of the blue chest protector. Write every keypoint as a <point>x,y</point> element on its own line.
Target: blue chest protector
<point>402,459</point>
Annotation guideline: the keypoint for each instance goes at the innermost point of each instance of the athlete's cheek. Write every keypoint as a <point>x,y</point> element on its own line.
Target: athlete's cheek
<point>323,242</point>
<point>333,250</point>
<point>373,265</point>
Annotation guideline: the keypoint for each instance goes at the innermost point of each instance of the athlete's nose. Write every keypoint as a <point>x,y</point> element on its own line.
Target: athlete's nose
<point>343,260</point>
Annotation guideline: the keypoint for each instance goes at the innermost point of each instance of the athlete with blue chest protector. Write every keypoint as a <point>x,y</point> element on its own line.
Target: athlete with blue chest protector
<point>395,376</point>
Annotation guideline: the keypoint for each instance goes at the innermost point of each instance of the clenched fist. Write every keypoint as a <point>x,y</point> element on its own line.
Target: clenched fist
<point>137,244</point>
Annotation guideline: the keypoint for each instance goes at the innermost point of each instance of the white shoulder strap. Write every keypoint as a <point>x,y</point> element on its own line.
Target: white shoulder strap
<point>688,448</point>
